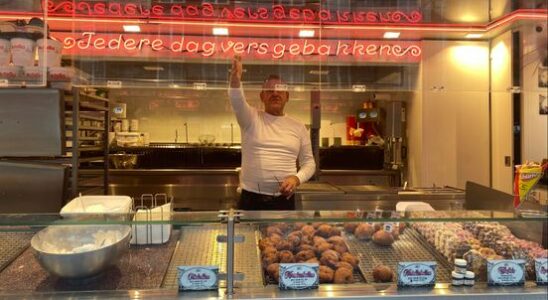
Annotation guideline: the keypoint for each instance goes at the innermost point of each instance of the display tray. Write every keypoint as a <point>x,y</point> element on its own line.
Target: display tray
<point>142,267</point>
<point>268,280</point>
<point>204,250</point>
<point>410,246</point>
<point>12,244</point>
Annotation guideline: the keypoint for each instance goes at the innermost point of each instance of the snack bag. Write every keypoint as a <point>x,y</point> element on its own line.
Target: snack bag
<point>527,176</point>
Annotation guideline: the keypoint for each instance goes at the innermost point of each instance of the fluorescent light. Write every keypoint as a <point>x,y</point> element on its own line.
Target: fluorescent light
<point>306,33</point>
<point>318,72</point>
<point>220,31</point>
<point>132,28</point>
<point>153,68</point>
<point>358,88</point>
<point>473,35</point>
<point>391,35</point>
<point>200,85</point>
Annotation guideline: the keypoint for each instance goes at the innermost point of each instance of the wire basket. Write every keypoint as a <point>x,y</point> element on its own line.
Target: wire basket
<point>152,208</point>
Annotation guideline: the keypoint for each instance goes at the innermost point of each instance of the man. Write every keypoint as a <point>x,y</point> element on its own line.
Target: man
<point>272,143</point>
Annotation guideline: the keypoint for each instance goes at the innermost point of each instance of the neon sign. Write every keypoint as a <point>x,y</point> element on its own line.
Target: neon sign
<point>210,11</point>
<point>200,47</point>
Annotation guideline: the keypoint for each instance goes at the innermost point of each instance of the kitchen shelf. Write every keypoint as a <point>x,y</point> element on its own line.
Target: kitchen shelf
<point>84,106</point>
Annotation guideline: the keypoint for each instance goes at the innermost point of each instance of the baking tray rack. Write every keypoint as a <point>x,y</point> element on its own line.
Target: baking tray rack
<point>198,246</point>
<point>12,244</point>
<point>268,280</point>
<point>409,247</point>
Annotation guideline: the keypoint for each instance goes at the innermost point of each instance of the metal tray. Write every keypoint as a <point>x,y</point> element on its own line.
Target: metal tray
<point>409,247</point>
<point>268,280</point>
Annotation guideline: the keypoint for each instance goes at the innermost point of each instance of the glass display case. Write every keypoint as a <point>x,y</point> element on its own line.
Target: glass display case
<point>359,253</point>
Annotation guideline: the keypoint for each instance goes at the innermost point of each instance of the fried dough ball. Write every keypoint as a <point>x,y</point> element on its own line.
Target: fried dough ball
<point>330,258</point>
<point>298,225</point>
<point>364,232</point>
<point>308,230</point>
<point>283,245</point>
<point>326,274</point>
<point>344,264</point>
<point>350,227</point>
<point>336,240</point>
<point>343,275</point>
<point>270,258</point>
<point>273,271</point>
<point>294,240</point>
<point>320,248</point>
<point>377,226</point>
<point>350,258</point>
<point>335,231</point>
<point>269,250</point>
<point>316,225</point>
<point>318,240</point>
<point>270,230</point>
<point>307,239</point>
<point>265,243</point>
<point>304,247</point>
<point>383,238</point>
<point>283,226</point>
<point>313,260</point>
<point>382,273</point>
<point>324,231</point>
<point>275,239</point>
<point>341,248</point>
<point>305,255</point>
<point>286,257</point>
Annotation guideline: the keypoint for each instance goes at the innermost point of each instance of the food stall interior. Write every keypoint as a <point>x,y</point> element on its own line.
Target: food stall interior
<point>123,166</point>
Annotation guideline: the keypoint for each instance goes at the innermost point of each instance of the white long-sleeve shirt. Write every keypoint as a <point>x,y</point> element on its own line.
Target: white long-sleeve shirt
<point>271,147</point>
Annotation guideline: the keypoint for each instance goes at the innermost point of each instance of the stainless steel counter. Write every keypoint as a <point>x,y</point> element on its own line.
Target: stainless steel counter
<point>357,291</point>
<point>216,189</point>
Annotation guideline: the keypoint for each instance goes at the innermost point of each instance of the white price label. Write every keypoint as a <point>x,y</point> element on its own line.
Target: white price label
<point>4,82</point>
<point>299,276</point>
<point>196,278</point>
<point>541,268</point>
<point>114,84</point>
<point>506,272</point>
<point>415,274</point>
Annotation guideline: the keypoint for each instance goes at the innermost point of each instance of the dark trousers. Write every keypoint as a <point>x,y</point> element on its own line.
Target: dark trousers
<point>255,201</point>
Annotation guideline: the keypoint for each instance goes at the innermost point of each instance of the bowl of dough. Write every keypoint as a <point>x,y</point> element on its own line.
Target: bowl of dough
<point>80,251</point>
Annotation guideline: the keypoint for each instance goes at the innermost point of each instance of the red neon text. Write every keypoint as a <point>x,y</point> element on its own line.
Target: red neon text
<point>91,43</point>
<point>208,11</point>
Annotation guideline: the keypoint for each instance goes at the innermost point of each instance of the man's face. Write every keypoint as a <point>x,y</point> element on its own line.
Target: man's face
<point>274,98</point>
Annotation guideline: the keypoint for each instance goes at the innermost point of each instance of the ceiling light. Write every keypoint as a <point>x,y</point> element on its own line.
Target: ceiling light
<point>220,31</point>
<point>200,85</point>
<point>132,28</point>
<point>473,35</point>
<point>306,33</point>
<point>153,68</point>
<point>318,72</point>
<point>391,35</point>
<point>358,88</point>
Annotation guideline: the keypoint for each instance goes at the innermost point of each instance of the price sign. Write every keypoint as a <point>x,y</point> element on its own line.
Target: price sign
<point>541,269</point>
<point>4,82</point>
<point>198,278</point>
<point>506,272</point>
<point>299,276</point>
<point>416,274</point>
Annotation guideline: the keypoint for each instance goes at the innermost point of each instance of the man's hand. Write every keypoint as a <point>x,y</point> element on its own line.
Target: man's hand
<point>287,188</point>
<point>236,72</point>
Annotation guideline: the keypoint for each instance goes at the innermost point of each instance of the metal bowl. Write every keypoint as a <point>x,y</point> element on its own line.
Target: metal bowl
<point>124,161</point>
<point>67,251</point>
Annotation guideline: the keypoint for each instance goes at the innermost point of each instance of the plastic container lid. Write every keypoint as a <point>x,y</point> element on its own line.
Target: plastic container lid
<point>461,262</point>
<point>470,275</point>
<point>457,275</point>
